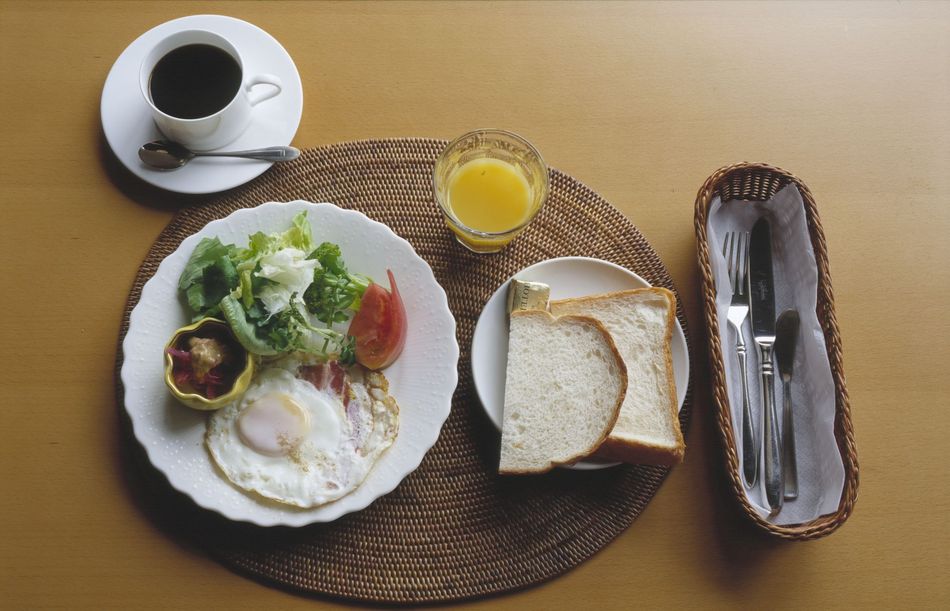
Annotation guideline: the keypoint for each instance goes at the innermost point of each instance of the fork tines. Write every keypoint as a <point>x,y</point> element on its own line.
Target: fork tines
<point>735,249</point>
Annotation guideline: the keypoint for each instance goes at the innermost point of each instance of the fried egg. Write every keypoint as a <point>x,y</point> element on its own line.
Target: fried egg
<point>304,434</point>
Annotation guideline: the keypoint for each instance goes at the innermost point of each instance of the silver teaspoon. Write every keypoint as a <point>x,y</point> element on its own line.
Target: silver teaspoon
<point>166,155</point>
<point>786,339</point>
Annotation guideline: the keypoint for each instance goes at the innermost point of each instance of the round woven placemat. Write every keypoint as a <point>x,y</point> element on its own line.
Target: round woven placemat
<point>453,529</point>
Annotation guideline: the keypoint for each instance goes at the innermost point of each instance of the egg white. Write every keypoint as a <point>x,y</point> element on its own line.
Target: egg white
<point>332,458</point>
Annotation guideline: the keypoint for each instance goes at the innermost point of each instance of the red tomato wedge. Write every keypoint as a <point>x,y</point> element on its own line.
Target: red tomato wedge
<point>379,326</point>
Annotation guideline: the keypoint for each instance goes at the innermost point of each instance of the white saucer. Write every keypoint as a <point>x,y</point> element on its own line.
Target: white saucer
<point>567,277</point>
<point>128,125</point>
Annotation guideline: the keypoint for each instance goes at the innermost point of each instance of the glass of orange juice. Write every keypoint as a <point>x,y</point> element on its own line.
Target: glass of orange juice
<point>489,184</point>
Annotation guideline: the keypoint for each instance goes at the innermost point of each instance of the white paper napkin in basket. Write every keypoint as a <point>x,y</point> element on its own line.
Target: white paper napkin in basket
<point>820,468</point>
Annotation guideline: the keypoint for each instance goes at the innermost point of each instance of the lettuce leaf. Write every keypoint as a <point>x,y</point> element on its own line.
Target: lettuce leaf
<point>260,244</point>
<point>290,273</point>
<point>214,282</point>
<point>245,331</point>
<point>206,253</point>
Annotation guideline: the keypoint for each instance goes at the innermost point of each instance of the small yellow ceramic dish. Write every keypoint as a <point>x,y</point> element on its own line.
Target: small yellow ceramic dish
<point>218,329</point>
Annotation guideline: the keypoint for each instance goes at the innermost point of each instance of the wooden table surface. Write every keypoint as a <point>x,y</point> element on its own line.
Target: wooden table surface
<point>639,101</point>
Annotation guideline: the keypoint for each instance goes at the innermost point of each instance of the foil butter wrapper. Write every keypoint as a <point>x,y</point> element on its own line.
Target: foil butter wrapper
<point>527,296</point>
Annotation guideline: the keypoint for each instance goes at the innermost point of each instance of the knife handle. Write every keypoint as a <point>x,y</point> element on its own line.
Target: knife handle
<point>750,449</point>
<point>774,476</point>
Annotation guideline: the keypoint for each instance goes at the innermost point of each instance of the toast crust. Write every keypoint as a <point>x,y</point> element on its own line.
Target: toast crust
<point>621,368</point>
<point>617,446</point>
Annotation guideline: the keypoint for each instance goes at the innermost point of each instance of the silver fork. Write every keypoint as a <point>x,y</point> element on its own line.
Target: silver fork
<point>735,250</point>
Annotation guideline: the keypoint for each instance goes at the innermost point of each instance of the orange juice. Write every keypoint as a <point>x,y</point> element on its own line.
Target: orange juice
<point>489,184</point>
<point>489,195</point>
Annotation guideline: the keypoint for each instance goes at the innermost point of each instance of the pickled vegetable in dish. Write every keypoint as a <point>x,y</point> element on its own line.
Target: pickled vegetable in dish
<point>205,364</point>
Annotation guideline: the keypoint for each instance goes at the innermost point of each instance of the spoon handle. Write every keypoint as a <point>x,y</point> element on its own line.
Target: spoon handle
<point>271,153</point>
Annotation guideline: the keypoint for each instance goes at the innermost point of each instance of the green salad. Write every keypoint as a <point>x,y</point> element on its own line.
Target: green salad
<point>280,294</point>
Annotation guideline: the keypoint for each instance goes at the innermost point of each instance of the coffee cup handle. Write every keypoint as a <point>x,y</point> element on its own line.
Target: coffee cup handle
<point>262,79</point>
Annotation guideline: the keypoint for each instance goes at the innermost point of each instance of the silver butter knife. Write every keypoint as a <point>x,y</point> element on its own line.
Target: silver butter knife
<point>762,304</point>
<point>786,339</point>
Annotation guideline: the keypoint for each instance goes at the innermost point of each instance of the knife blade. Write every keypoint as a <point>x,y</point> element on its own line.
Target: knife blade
<point>762,310</point>
<point>786,339</point>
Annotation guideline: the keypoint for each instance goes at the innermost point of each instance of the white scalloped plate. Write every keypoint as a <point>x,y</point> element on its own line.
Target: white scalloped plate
<point>422,380</point>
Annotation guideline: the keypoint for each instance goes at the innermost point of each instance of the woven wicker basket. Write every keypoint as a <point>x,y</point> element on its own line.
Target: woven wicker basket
<point>759,182</point>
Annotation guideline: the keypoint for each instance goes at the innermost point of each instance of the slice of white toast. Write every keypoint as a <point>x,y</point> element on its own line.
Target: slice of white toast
<point>641,324</point>
<point>565,384</point>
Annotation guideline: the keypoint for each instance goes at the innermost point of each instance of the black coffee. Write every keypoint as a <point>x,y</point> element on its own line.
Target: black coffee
<point>194,81</point>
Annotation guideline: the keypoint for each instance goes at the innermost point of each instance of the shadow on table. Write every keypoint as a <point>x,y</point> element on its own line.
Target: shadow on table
<point>194,529</point>
<point>140,191</point>
<point>742,554</point>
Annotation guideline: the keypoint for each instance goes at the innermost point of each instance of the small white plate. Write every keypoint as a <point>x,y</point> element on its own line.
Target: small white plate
<point>128,125</point>
<point>567,277</point>
<point>422,380</point>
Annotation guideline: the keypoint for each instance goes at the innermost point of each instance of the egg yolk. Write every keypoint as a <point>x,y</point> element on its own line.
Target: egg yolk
<point>273,425</point>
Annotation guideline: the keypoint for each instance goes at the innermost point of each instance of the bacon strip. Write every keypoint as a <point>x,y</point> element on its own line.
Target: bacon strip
<point>329,375</point>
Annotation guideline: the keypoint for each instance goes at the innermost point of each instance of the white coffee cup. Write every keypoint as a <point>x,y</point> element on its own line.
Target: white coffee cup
<point>223,126</point>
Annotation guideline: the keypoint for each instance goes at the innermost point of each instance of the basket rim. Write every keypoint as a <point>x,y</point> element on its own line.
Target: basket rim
<point>844,431</point>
